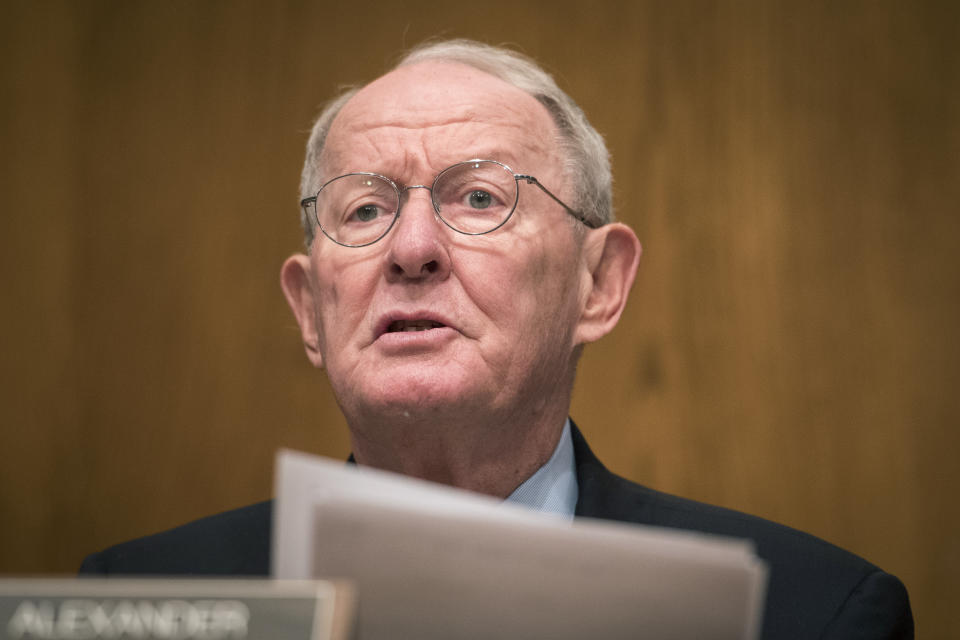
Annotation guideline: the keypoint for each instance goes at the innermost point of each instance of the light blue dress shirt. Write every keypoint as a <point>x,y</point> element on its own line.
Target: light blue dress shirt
<point>553,488</point>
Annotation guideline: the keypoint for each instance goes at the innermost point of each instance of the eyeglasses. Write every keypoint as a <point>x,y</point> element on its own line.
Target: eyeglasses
<point>473,197</point>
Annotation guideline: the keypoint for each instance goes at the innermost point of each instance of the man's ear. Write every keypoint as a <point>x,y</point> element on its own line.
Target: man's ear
<point>612,253</point>
<point>298,288</point>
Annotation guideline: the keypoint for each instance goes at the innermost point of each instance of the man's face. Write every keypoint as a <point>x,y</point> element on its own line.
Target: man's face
<point>495,316</point>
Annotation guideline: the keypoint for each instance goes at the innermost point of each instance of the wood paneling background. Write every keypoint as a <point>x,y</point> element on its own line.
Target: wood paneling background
<point>790,348</point>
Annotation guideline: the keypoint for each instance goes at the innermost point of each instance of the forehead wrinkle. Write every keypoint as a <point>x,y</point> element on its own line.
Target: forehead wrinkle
<point>441,123</point>
<point>431,149</point>
<point>367,151</point>
<point>508,114</point>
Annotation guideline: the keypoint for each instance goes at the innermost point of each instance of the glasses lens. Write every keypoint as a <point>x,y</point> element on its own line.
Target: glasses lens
<point>475,197</point>
<point>357,209</point>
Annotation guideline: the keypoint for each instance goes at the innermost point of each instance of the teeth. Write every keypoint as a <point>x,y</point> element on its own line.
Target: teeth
<point>412,325</point>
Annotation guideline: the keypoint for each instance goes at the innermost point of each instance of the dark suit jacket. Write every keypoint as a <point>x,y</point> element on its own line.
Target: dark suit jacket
<point>816,590</point>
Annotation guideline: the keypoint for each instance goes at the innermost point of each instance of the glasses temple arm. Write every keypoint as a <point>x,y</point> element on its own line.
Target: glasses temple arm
<point>576,214</point>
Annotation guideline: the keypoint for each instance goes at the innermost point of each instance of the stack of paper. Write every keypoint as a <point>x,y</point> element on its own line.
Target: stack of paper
<point>431,562</point>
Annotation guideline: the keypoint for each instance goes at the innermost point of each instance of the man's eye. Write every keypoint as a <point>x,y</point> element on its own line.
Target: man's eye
<point>366,213</point>
<point>479,199</point>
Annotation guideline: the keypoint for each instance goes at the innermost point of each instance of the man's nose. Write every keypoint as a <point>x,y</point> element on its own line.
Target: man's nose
<point>418,242</point>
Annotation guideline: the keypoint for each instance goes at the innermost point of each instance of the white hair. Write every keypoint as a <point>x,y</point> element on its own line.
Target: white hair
<point>586,161</point>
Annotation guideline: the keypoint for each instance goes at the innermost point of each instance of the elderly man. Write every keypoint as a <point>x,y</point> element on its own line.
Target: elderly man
<point>460,255</point>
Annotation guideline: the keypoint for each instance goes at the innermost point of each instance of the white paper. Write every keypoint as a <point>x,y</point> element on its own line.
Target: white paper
<point>434,562</point>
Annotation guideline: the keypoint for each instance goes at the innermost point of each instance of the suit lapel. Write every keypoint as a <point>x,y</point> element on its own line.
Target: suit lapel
<point>603,494</point>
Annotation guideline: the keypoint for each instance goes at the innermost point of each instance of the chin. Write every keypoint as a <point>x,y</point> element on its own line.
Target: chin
<point>423,397</point>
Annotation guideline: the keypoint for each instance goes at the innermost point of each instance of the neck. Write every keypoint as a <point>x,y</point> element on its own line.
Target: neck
<point>492,456</point>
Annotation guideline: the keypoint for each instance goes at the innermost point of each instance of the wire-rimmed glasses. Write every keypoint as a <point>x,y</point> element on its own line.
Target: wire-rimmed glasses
<point>473,197</point>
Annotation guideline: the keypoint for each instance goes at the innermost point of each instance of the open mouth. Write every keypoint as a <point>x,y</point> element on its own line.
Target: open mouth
<point>412,325</point>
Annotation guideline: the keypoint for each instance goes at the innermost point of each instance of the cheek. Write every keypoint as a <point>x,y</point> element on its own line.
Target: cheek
<point>527,291</point>
<point>502,285</point>
<point>554,279</point>
<point>344,294</point>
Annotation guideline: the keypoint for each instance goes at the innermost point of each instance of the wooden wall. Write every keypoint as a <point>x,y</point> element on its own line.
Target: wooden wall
<point>790,348</point>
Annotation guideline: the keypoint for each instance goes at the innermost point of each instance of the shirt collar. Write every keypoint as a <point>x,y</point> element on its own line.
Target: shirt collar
<point>553,487</point>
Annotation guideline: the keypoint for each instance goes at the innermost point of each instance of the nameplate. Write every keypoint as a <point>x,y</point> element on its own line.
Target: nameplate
<point>182,609</point>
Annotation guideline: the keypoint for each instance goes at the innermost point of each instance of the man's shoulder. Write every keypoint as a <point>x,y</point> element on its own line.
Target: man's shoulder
<point>627,501</point>
<point>234,543</point>
<point>603,494</point>
<point>814,586</point>
<point>777,543</point>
